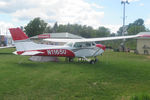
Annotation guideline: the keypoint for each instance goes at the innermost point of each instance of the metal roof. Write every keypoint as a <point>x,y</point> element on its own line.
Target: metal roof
<point>144,33</point>
<point>60,35</point>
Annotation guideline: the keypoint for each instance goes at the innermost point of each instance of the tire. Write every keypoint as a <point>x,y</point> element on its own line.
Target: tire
<point>92,62</point>
<point>70,59</point>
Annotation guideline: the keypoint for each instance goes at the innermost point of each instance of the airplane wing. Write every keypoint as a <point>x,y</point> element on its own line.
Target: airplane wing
<point>31,53</point>
<point>96,39</point>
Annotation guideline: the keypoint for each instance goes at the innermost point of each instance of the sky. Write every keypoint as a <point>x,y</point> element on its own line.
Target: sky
<point>95,13</point>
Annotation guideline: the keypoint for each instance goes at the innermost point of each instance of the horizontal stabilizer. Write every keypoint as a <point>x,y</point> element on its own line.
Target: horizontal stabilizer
<point>7,47</point>
<point>31,53</point>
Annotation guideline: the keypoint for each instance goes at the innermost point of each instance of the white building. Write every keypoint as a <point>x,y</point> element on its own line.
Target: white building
<point>143,44</point>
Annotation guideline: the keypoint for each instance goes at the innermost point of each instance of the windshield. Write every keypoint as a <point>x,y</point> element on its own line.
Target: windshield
<point>69,44</point>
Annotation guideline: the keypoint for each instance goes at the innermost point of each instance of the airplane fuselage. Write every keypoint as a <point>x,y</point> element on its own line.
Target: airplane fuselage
<point>67,51</point>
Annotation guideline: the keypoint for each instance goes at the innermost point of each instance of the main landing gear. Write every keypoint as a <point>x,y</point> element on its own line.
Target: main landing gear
<point>82,59</point>
<point>91,61</point>
<point>67,59</point>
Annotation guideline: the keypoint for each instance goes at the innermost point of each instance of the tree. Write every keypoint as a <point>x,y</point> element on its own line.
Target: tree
<point>136,27</point>
<point>48,29</point>
<point>139,22</point>
<point>102,32</point>
<point>35,27</point>
<point>86,31</point>
<point>133,28</point>
<point>55,28</point>
<point>120,31</point>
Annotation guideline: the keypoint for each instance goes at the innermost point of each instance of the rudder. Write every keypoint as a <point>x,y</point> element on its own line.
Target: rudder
<point>18,34</point>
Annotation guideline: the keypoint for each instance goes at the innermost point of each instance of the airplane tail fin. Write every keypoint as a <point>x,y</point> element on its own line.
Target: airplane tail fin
<point>23,43</point>
<point>18,34</point>
<point>21,40</point>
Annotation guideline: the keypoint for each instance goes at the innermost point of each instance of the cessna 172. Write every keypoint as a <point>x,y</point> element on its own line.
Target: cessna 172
<point>81,48</point>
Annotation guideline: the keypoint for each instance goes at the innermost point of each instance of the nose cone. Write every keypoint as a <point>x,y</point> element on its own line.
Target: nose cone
<point>101,46</point>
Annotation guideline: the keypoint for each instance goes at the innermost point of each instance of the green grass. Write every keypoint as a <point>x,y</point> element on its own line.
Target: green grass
<point>140,97</point>
<point>117,76</point>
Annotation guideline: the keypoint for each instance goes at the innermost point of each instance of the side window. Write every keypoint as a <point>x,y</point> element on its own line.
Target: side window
<point>88,44</point>
<point>77,45</point>
<point>83,44</point>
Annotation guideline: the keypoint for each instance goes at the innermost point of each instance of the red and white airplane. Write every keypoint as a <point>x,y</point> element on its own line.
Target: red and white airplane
<point>81,48</point>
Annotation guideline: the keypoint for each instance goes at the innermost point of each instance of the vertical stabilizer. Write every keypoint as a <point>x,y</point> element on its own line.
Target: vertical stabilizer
<point>18,34</point>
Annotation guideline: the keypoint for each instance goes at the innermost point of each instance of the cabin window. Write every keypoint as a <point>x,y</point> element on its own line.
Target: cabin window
<point>78,45</point>
<point>93,44</point>
<point>88,44</point>
<point>82,44</point>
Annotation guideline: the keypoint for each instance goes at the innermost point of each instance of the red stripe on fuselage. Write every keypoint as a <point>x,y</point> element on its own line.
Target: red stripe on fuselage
<point>52,52</point>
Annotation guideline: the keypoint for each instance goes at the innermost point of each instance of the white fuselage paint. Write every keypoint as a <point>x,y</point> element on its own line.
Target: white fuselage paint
<point>88,52</point>
<point>56,50</point>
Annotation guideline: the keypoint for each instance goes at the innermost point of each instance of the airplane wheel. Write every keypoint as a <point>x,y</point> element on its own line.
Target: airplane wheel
<point>92,62</point>
<point>70,59</point>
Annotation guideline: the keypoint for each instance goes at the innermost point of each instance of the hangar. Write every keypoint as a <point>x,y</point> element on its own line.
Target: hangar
<point>64,35</point>
<point>143,44</point>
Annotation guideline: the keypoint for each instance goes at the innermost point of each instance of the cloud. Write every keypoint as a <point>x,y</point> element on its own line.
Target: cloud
<point>2,3</point>
<point>4,27</point>
<point>113,28</point>
<point>141,4</point>
<point>147,22</point>
<point>10,6</point>
<point>62,11</point>
<point>96,6</point>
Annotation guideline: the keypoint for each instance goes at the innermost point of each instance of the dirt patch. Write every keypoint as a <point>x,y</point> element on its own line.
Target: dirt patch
<point>148,57</point>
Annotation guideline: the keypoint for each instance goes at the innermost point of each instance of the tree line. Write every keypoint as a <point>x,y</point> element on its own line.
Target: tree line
<point>38,26</point>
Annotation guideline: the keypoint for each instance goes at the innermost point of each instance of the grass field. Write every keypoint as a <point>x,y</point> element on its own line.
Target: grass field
<point>117,76</point>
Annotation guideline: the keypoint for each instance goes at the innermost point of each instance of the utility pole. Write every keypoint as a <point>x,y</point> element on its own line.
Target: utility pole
<point>124,2</point>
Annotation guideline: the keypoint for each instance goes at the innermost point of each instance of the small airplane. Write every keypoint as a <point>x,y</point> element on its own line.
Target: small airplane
<point>81,48</point>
